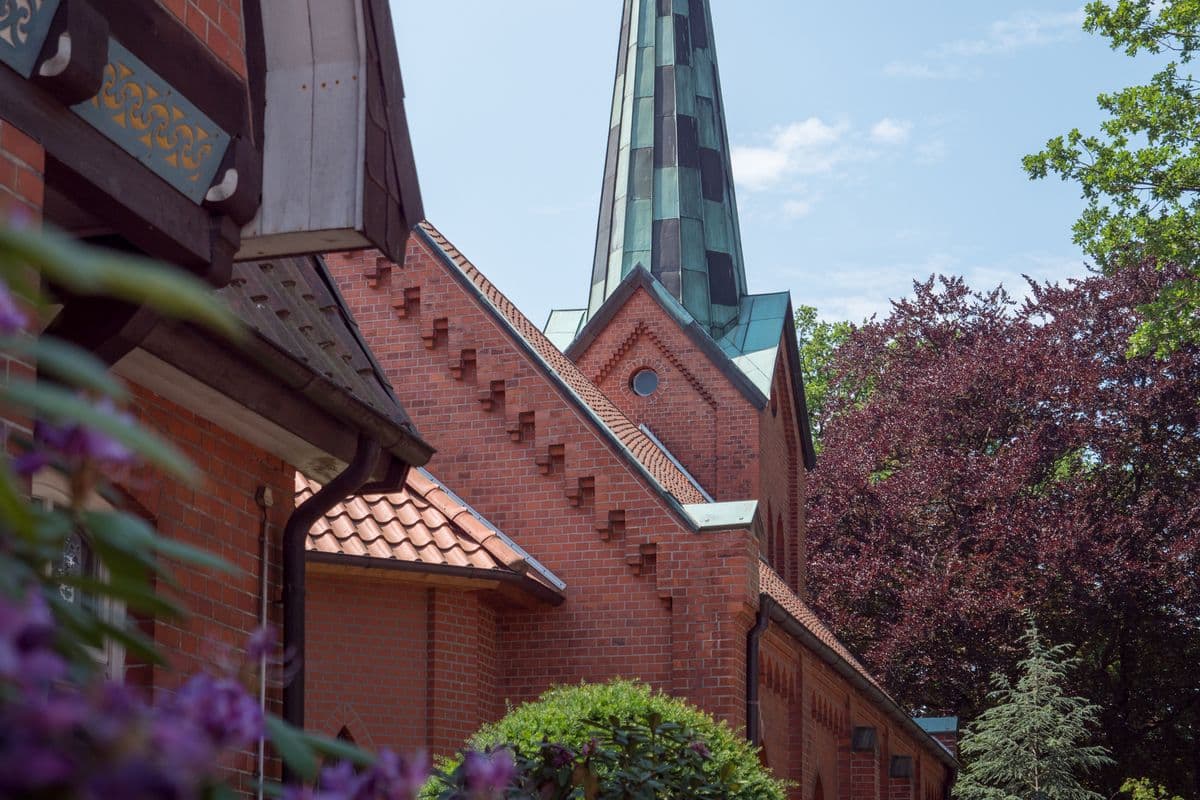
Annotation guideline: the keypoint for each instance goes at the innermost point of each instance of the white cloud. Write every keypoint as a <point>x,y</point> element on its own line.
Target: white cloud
<point>1020,31</point>
<point>808,147</point>
<point>932,151</point>
<point>891,131</point>
<point>813,148</point>
<point>922,71</point>
<point>795,209</point>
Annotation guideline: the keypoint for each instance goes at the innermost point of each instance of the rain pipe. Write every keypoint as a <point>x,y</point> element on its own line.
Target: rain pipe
<point>753,646</point>
<point>295,535</point>
<point>264,499</point>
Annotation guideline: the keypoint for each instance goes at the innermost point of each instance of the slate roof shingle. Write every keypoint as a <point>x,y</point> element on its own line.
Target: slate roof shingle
<point>655,461</point>
<point>293,303</point>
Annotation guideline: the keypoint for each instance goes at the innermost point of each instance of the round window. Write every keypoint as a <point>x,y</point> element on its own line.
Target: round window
<point>644,382</point>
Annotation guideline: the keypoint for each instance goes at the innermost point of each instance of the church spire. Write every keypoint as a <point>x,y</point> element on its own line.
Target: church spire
<point>668,201</point>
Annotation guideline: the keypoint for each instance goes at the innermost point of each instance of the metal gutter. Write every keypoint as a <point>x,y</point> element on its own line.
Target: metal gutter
<point>523,582</point>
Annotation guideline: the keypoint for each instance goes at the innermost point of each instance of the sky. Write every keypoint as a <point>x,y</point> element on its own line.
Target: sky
<point>874,143</point>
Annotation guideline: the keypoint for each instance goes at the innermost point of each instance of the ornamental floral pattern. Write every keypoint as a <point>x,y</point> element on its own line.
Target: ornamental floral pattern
<point>154,123</point>
<point>23,28</point>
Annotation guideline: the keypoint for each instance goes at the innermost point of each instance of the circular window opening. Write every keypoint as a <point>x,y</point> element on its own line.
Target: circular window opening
<point>644,382</point>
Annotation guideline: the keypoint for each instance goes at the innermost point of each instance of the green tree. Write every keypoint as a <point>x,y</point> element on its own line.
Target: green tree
<point>819,341</point>
<point>1141,175</point>
<point>1032,742</point>
<point>1144,789</point>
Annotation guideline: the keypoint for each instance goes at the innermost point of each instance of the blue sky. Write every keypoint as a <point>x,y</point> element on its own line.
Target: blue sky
<point>874,143</point>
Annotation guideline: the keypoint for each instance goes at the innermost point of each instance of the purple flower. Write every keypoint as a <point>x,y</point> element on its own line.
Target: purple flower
<point>137,779</point>
<point>77,444</point>
<point>701,748</point>
<point>341,779</point>
<point>32,766</point>
<point>220,708</point>
<point>488,774</point>
<point>12,318</point>
<point>395,778</point>
<point>261,644</point>
<point>559,756</point>
<point>26,642</point>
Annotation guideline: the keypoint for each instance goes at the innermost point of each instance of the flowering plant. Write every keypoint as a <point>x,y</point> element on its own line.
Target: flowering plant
<point>66,732</point>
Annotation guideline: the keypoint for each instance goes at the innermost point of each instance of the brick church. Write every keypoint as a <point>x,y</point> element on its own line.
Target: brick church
<point>619,493</point>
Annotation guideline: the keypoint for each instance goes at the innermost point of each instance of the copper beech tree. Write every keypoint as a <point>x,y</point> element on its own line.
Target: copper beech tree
<point>985,457</point>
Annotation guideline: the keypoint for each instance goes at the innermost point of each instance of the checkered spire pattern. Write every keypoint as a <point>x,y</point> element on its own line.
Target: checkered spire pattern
<point>668,201</point>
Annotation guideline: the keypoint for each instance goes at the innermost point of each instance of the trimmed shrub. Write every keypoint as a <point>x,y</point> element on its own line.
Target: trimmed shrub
<point>615,740</point>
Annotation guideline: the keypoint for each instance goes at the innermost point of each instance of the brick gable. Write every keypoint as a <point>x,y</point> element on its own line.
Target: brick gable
<point>647,596</point>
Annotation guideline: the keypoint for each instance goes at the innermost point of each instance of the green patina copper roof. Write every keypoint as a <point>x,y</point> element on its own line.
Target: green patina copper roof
<point>668,201</point>
<point>937,724</point>
<point>753,343</point>
<point>564,325</point>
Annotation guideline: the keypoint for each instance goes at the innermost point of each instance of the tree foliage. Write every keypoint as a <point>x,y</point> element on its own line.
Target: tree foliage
<point>818,340</point>
<point>616,740</point>
<point>1140,175</point>
<point>1033,739</point>
<point>1010,457</point>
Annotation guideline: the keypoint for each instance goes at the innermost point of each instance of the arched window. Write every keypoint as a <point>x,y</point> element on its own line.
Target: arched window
<point>51,489</point>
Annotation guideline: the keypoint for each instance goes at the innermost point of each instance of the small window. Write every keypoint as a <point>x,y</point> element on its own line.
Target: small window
<point>644,382</point>
<point>52,490</point>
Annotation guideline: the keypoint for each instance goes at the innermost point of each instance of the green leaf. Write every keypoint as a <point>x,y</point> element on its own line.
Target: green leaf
<point>337,749</point>
<point>133,534</point>
<point>93,271</point>
<point>136,595</point>
<point>70,364</point>
<point>58,405</point>
<point>14,508</point>
<point>291,746</point>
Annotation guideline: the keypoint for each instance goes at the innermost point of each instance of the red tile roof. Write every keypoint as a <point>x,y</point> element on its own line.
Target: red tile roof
<point>774,586</point>
<point>650,455</point>
<point>422,524</point>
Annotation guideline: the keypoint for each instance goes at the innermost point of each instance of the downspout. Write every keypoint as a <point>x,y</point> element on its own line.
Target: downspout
<point>753,640</point>
<point>264,499</point>
<point>295,534</point>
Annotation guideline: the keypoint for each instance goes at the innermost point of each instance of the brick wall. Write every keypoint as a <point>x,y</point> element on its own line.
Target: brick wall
<point>217,23</point>
<point>462,662</point>
<point>357,623</point>
<point>512,445</point>
<point>220,515</point>
<point>398,664</point>
<point>22,164</point>
<point>22,161</point>
<point>696,412</point>
<point>782,478</point>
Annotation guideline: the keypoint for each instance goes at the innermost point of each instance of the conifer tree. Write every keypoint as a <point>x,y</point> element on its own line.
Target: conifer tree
<point>1031,744</point>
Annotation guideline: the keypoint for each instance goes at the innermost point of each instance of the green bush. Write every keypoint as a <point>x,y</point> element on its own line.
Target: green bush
<point>616,731</point>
